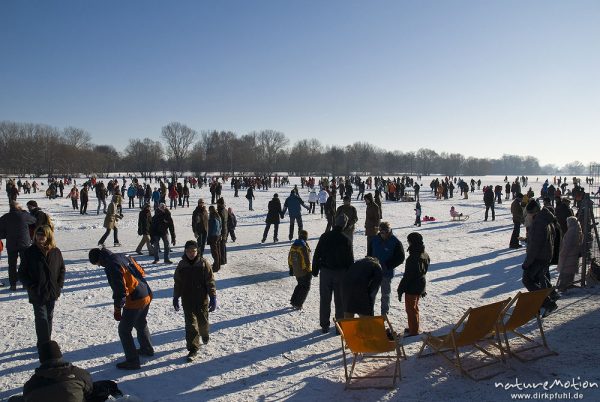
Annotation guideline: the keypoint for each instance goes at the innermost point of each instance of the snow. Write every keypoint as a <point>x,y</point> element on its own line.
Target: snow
<point>260,349</point>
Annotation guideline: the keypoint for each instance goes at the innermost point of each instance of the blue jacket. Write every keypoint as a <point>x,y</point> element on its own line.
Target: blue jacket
<point>130,289</point>
<point>214,226</point>
<point>293,204</point>
<point>390,253</point>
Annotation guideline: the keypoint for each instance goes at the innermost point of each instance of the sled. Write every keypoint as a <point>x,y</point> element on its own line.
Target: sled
<point>460,218</point>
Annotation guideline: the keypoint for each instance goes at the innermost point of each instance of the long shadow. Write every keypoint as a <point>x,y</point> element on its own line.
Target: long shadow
<point>474,259</point>
<point>492,229</point>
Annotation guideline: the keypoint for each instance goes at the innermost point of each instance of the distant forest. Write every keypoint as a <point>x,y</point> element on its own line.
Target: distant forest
<point>27,148</point>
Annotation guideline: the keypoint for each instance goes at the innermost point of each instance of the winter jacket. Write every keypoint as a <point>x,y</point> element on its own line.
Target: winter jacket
<point>144,222</point>
<point>333,251</point>
<point>518,216</point>
<point>350,212</point>
<point>14,227</point>
<point>413,282</point>
<point>131,191</point>
<point>224,215</point>
<point>42,275</point>
<point>57,380</point>
<point>323,195</point>
<point>126,279</point>
<point>161,223</point>
<point>563,211</point>
<point>194,282</point>
<point>83,195</point>
<point>312,196</point>
<point>360,283</point>
<point>293,203</point>
<point>299,258</point>
<point>41,218</point>
<point>274,211</point>
<point>231,222</point>
<point>214,226</point>
<point>570,248</point>
<point>111,217</point>
<point>389,253</point>
<point>200,221</point>
<point>372,219</point>
<point>540,244</point>
<point>330,207</point>
<point>250,193</point>
<point>488,197</point>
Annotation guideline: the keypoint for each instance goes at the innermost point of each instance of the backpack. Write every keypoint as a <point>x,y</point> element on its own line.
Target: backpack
<point>299,259</point>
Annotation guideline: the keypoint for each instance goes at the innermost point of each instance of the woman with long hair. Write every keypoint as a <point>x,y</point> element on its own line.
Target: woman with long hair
<point>42,273</point>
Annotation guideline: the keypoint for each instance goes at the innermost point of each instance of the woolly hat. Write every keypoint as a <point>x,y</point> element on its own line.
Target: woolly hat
<point>415,239</point>
<point>32,203</point>
<point>190,244</point>
<point>341,221</point>
<point>275,195</point>
<point>533,207</point>
<point>94,255</point>
<point>49,350</point>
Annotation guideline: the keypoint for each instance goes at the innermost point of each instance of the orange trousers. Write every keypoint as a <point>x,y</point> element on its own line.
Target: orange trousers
<point>411,304</point>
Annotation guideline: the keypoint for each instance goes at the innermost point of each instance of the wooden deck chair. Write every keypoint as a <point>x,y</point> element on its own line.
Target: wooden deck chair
<point>477,327</point>
<point>522,309</point>
<point>366,338</point>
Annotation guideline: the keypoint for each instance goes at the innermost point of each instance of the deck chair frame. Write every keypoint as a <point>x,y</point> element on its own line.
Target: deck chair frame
<point>451,343</point>
<point>397,350</point>
<point>530,307</point>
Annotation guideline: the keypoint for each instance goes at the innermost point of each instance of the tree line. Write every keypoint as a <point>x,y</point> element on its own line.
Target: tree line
<point>40,149</point>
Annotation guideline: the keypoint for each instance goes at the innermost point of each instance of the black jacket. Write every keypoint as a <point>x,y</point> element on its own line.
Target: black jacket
<point>540,241</point>
<point>57,380</point>
<point>200,221</point>
<point>413,281</point>
<point>274,211</point>
<point>42,276</point>
<point>144,222</point>
<point>361,280</point>
<point>161,223</point>
<point>333,251</point>
<point>194,282</point>
<point>14,227</point>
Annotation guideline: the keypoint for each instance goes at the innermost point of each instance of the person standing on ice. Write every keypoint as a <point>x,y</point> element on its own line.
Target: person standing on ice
<point>332,258</point>
<point>293,204</point>
<point>42,273</point>
<point>413,283</point>
<point>132,296</point>
<point>299,265</point>
<point>274,214</point>
<point>195,285</point>
<point>350,211</point>
<point>162,222</point>
<point>372,219</point>
<point>518,218</point>
<point>488,200</point>
<point>14,227</point>
<point>110,223</point>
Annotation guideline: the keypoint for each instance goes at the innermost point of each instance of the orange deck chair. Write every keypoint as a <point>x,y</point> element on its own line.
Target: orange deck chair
<point>477,328</point>
<point>366,338</point>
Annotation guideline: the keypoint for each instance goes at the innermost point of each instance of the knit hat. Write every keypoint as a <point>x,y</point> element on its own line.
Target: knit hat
<point>190,244</point>
<point>94,255</point>
<point>341,221</point>
<point>533,207</point>
<point>415,239</point>
<point>32,203</point>
<point>49,350</point>
<point>275,195</point>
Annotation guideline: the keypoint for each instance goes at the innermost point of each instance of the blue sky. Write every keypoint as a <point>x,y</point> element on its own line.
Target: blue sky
<point>482,78</point>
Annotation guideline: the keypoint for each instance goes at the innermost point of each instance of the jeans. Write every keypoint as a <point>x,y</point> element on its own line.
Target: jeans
<point>215,249</point>
<point>156,246</point>
<point>43,314</point>
<point>297,219</point>
<point>12,265</point>
<point>105,235</point>
<point>134,318</point>
<point>101,201</point>
<point>514,238</point>
<point>386,291</point>
<point>487,208</point>
<point>201,243</point>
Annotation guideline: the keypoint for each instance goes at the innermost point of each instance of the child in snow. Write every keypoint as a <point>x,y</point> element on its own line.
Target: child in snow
<point>299,265</point>
<point>195,284</point>
<point>418,214</point>
<point>454,213</point>
<point>413,282</point>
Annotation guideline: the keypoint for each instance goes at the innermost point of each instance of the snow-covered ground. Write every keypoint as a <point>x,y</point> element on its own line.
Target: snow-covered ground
<point>260,349</point>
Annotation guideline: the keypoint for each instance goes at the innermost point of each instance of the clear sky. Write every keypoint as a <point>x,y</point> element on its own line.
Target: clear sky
<point>482,78</point>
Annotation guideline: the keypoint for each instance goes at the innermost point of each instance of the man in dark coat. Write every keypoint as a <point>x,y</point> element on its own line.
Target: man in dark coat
<point>274,214</point>
<point>488,200</point>
<point>293,204</point>
<point>162,222</point>
<point>144,225</point>
<point>563,211</point>
<point>56,379</point>
<point>350,211</point>
<point>332,258</point>
<point>359,287</point>
<point>518,218</point>
<point>195,285</point>
<point>14,227</point>
<point>540,250</point>
<point>224,215</point>
<point>200,225</point>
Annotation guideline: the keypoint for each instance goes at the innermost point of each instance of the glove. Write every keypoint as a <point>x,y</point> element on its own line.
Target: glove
<point>176,303</point>
<point>291,272</point>
<point>173,242</point>
<point>117,314</point>
<point>212,304</point>
<point>315,273</point>
<point>399,297</point>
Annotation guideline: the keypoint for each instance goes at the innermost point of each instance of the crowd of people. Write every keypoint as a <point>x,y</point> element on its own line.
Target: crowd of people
<point>553,236</point>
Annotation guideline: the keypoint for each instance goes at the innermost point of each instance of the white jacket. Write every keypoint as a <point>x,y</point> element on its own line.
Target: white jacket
<point>323,195</point>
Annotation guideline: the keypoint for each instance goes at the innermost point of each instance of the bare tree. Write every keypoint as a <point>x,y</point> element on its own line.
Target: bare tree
<point>144,156</point>
<point>270,145</point>
<point>179,139</point>
<point>77,137</point>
